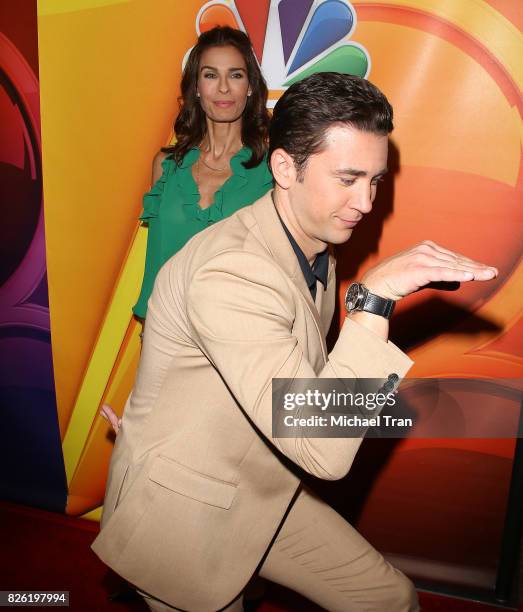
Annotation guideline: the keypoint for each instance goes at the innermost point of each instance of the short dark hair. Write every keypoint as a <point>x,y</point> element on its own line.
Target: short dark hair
<point>311,106</point>
<point>190,126</point>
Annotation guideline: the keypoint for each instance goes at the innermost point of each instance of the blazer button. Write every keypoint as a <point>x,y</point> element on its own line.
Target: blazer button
<point>388,387</point>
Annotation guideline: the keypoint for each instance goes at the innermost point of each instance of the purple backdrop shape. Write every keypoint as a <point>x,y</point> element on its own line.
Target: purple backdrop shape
<point>32,469</point>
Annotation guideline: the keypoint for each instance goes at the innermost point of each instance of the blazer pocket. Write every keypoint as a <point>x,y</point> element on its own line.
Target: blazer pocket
<point>183,480</point>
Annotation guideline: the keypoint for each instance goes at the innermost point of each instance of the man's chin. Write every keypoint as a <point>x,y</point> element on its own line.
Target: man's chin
<point>340,236</point>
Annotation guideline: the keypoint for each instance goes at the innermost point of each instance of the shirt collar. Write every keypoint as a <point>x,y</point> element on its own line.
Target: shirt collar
<point>319,269</point>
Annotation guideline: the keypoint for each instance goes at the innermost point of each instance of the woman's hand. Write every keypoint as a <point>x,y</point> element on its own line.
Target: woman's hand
<point>108,413</point>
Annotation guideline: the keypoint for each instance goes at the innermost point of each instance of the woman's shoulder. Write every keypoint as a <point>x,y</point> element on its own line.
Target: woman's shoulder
<point>261,170</point>
<point>157,164</point>
<point>163,165</point>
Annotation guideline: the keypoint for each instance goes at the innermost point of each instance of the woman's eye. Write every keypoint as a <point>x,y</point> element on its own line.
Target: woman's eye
<point>209,75</point>
<point>237,75</point>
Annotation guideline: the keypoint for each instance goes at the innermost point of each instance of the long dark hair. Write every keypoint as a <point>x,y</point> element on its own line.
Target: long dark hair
<point>190,126</point>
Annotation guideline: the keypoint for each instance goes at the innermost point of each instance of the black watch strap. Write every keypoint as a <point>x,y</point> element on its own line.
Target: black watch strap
<point>379,306</point>
<point>359,298</point>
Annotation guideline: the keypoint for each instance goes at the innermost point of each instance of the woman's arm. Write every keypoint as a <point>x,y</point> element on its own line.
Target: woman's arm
<point>157,166</point>
<point>106,411</point>
<point>150,216</point>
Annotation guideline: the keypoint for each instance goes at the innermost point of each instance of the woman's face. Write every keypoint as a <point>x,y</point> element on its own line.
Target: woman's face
<point>223,85</point>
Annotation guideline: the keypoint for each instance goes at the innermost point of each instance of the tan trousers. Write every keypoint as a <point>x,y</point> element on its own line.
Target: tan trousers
<point>319,555</point>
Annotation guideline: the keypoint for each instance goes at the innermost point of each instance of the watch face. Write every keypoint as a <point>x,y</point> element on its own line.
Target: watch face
<point>354,294</point>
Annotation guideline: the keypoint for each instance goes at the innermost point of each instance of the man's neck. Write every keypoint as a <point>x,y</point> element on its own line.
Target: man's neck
<point>310,246</point>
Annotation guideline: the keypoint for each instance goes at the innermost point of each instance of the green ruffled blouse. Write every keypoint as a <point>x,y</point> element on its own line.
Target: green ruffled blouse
<point>172,211</point>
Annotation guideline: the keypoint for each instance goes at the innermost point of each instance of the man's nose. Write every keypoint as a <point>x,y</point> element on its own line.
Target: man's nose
<point>363,198</point>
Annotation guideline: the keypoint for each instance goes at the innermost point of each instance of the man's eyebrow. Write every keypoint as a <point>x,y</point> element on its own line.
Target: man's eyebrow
<point>356,172</point>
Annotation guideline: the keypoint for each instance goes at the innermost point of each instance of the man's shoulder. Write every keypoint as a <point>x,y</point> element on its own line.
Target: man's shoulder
<point>238,233</point>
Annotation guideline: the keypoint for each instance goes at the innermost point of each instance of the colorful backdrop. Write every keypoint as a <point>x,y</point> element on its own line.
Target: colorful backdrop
<point>31,464</point>
<point>109,79</point>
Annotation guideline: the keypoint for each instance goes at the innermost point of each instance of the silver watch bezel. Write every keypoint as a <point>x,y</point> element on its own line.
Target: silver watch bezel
<point>355,303</point>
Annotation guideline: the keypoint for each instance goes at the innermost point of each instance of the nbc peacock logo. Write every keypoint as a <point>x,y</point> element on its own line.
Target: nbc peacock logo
<point>292,39</point>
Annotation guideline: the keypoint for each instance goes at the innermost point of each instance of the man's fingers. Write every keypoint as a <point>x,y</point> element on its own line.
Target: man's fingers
<point>441,273</point>
<point>485,274</point>
<point>466,265</point>
<point>448,255</point>
<point>424,263</point>
<point>431,254</point>
<point>442,250</point>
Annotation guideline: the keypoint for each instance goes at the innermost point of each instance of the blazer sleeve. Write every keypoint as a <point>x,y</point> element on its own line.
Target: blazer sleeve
<point>240,308</point>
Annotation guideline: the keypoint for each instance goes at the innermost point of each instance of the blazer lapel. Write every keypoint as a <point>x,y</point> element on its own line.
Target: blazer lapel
<point>281,250</point>
<point>326,297</point>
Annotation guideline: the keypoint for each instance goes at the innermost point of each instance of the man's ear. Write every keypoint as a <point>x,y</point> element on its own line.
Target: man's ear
<point>283,168</point>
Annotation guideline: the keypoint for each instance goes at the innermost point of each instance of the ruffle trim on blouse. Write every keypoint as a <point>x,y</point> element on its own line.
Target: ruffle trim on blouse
<point>151,200</point>
<point>236,181</point>
<point>211,214</point>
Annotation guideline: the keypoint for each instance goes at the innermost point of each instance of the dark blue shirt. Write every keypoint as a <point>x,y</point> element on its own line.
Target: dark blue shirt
<point>319,269</point>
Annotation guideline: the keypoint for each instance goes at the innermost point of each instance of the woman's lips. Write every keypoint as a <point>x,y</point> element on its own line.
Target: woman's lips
<point>223,104</point>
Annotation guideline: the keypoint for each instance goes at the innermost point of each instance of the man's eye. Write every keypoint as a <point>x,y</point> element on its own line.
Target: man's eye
<point>375,181</point>
<point>348,182</point>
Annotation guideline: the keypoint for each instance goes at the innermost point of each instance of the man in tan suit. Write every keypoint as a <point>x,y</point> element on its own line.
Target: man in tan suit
<point>201,496</point>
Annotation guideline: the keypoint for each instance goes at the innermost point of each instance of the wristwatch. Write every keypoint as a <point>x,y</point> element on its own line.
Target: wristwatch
<point>358,298</point>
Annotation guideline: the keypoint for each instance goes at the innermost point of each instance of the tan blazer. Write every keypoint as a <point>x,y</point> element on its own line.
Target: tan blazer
<point>197,486</point>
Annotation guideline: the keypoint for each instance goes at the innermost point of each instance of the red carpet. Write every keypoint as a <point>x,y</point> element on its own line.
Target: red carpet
<point>43,550</point>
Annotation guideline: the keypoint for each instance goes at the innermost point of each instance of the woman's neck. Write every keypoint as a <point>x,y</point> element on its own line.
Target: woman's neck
<point>222,139</point>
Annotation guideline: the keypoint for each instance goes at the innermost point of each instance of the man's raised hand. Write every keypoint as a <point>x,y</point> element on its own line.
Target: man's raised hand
<point>427,262</point>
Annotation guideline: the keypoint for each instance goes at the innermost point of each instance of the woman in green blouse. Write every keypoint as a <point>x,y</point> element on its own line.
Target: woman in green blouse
<point>218,164</point>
